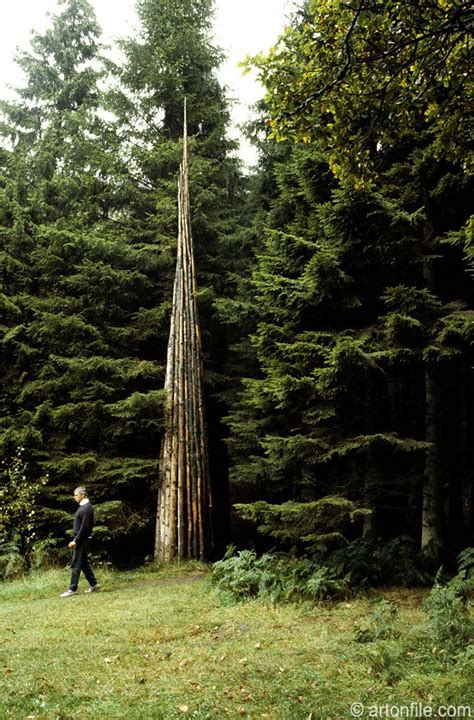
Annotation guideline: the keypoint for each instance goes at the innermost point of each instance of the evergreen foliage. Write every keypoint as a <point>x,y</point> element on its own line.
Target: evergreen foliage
<point>72,284</point>
<point>322,574</point>
<point>335,285</point>
<point>274,577</point>
<point>171,59</point>
<point>316,524</point>
<point>19,500</point>
<point>89,172</point>
<point>362,382</point>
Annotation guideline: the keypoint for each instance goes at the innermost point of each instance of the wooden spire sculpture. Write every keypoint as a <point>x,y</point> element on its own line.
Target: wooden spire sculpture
<point>184,499</point>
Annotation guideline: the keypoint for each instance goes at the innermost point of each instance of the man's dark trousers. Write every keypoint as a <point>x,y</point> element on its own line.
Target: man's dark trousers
<point>80,561</point>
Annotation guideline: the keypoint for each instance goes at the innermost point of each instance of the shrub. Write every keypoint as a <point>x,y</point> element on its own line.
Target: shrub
<point>281,577</point>
<point>325,583</point>
<point>377,562</point>
<point>48,553</point>
<point>450,625</point>
<point>12,563</point>
<point>17,514</point>
<point>276,577</point>
<point>445,637</point>
<point>464,580</point>
<point>380,626</point>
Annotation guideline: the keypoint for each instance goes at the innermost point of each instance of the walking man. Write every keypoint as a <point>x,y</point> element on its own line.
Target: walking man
<point>82,530</point>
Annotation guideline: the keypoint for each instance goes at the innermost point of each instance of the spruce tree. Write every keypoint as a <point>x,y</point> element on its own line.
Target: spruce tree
<point>89,178</point>
<point>172,59</point>
<point>314,406</point>
<point>79,397</point>
<point>362,322</point>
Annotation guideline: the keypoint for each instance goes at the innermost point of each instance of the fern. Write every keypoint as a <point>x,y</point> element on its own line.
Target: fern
<point>276,577</point>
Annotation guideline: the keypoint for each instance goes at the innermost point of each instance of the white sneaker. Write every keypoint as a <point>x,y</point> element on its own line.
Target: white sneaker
<point>92,588</point>
<point>68,593</point>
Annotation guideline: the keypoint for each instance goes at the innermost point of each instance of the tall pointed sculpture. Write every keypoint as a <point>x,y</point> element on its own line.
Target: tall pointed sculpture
<point>184,497</point>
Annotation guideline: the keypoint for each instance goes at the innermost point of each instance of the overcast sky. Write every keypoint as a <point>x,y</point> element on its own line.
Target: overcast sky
<point>242,27</point>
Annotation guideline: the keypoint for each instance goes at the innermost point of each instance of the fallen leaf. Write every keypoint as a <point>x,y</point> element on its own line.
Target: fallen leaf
<point>242,711</point>
<point>183,663</point>
<point>183,708</point>
<point>111,659</point>
<point>258,646</point>
<point>243,661</point>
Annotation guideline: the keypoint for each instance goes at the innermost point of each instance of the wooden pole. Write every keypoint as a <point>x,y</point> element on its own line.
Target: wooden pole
<point>183,523</point>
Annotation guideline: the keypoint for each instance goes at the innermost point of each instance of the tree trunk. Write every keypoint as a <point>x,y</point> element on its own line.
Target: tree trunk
<point>431,519</point>
<point>183,524</point>
<point>370,497</point>
<point>469,458</point>
<point>431,535</point>
<point>455,445</point>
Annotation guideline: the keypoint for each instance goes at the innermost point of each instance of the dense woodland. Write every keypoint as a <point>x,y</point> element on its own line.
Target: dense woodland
<point>335,285</point>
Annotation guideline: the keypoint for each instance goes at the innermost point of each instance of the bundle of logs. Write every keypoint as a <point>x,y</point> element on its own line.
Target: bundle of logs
<point>184,498</point>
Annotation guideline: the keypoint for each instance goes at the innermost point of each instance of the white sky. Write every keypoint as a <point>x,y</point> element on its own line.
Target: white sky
<point>242,27</point>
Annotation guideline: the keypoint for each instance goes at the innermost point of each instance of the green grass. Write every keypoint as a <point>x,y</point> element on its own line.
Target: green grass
<point>157,644</point>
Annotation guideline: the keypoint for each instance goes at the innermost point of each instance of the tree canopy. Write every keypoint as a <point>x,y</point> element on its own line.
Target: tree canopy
<point>89,173</point>
<point>364,74</point>
<point>335,285</point>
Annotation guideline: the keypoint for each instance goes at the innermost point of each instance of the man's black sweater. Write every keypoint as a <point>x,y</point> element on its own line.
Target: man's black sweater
<point>83,523</point>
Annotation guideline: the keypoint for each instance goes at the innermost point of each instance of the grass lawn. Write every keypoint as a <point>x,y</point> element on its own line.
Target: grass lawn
<point>160,645</point>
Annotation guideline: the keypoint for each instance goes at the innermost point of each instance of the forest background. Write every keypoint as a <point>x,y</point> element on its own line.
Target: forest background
<point>335,282</point>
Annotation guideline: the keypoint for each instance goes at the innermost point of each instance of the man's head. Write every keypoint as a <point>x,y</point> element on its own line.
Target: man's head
<point>79,494</point>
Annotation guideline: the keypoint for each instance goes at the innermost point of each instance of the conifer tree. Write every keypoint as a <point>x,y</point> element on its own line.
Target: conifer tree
<point>344,333</point>
<point>89,222</point>
<point>364,305</point>
<point>78,395</point>
<point>173,58</point>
